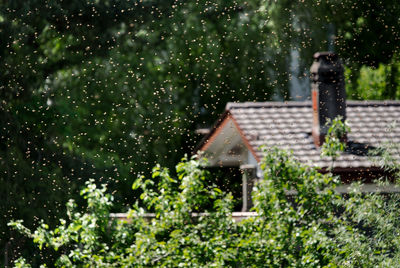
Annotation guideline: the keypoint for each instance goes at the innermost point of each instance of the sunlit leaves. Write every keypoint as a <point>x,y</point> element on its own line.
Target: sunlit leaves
<point>299,221</point>
<point>335,139</point>
<point>107,89</point>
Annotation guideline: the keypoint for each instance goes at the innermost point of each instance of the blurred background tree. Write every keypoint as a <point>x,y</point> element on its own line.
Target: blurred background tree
<point>106,89</point>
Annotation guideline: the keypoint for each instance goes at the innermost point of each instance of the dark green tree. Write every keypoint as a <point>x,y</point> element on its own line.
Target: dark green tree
<point>105,90</point>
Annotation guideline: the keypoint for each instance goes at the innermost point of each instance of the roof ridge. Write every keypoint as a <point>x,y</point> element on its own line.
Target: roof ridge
<point>249,104</point>
<point>373,102</point>
<point>266,104</point>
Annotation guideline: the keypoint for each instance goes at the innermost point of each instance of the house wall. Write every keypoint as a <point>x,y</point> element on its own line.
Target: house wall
<point>252,161</point>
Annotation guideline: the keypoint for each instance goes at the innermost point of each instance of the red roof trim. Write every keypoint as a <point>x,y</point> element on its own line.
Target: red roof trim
<point>217,130</point>
<point>207,137</point>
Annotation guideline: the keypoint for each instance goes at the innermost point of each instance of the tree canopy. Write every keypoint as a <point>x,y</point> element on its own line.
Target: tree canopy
<point>107,89</point>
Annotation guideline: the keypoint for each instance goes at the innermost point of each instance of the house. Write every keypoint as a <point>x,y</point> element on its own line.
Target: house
<point>236,138</point>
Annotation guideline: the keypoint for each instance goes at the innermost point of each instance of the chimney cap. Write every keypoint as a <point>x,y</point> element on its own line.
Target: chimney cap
<point>327,55</point>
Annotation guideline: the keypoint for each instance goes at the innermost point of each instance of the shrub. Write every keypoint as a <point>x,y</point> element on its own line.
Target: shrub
<point>297,223</point>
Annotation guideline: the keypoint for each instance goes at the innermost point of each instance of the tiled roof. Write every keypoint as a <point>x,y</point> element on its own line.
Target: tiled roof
<point>288,126</point>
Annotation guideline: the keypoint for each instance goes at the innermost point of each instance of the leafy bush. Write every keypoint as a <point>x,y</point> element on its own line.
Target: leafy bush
<point>297,223</point>
<point>334,140</point>
<point>295,205</point>
<point>173,237</point>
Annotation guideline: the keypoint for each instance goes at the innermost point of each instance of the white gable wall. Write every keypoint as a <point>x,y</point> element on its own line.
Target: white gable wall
<point>227,148</point>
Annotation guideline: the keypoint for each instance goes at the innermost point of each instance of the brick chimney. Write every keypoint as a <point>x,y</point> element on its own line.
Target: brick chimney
<point>328,93</point>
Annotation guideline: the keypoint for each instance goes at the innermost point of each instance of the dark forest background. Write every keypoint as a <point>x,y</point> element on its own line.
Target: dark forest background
<point>106,89</point>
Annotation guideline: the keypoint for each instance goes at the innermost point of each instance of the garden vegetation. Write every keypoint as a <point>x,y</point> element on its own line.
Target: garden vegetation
<point>300,222</point>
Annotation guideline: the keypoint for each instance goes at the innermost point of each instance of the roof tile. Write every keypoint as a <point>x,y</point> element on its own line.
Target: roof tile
<point>288,126</point>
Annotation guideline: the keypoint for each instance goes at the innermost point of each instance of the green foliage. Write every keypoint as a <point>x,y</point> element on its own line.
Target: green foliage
<point>300,222</point>
<point>289,229</point>
<point>84,236</point>
<point>171,238</point>
<point>295,205</point>
<point>335,139</point>
<point>374,83</point>
<point>367,235</point>
<point>175,237</point>
<point>106,89</point>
